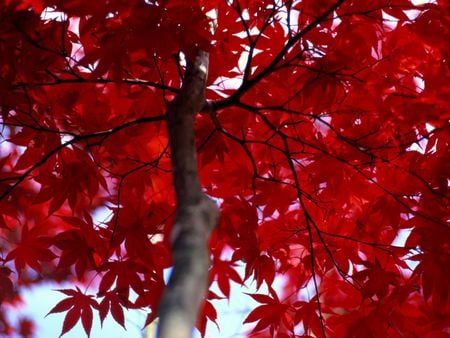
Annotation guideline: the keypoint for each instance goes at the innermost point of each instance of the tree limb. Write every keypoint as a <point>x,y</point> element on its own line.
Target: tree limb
<point>197,215</point>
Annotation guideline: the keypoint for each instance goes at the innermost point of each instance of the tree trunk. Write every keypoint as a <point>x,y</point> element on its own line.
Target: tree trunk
<point>196,215</point>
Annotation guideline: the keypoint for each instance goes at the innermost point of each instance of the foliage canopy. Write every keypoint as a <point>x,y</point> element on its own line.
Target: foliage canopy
<point>323,138</point>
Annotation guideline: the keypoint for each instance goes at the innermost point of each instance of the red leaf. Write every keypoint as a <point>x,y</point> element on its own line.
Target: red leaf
<point>113,302</point>
<point>86,320</point>
<point>71,318</point>
<point>63,305</point>
<point>117,313</point>
<point>78,305</point>
<point>264,299</point>
<point>271,314</point>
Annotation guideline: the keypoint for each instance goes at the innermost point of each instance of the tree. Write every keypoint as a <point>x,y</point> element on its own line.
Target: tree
<point>320,132</point>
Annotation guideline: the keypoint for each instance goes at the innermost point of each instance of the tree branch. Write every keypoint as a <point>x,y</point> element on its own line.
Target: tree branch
<point>196,216</point>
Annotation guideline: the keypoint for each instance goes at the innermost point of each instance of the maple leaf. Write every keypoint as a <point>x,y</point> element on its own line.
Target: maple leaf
<point>264,269</point>
<point>271,314</point>
<point>78,306</point>
<point>375,279</point>
<point>433,269</point>
<point>223,272</point>
<point>114,304</point>
<point>32,249</point>
<point>125,274</point>
<point>208,313</point>
<point>307,312</point>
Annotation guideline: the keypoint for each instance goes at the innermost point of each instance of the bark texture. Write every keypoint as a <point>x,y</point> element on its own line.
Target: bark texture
<point>197,214</point>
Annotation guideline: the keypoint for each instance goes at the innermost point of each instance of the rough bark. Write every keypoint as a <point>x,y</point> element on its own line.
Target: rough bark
<point>197,214</point>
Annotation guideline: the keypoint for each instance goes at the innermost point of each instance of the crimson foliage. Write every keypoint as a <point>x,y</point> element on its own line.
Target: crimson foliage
<point>324,140</point>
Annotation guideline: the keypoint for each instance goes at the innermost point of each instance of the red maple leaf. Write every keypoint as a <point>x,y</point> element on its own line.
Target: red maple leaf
<point>78,306</point>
